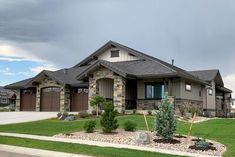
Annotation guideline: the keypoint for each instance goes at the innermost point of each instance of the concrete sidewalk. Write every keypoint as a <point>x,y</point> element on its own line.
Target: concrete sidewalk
<point>104,144</point>
<point>34,152</point>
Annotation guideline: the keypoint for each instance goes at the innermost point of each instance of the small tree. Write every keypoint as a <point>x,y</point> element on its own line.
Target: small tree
<point>165,122</point>
<point>97,101</point>
<point>108,119</point>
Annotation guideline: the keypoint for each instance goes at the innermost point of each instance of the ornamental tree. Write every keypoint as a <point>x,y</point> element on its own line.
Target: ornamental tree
<point>108,119</point>
<point>97,101</point>
<point>165,122</point>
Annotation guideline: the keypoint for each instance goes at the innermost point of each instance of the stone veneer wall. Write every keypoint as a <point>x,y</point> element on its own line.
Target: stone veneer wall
<point>148,104</point>
<point>187,104</point>
<point>17,100</point>
<point>64,102</point>
<point>119,87</point>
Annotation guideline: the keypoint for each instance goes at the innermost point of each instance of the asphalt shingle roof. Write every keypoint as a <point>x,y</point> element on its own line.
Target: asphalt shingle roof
<point>207,75</point>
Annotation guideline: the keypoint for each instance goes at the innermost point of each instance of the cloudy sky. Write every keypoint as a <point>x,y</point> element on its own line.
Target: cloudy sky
<point>53,34</point>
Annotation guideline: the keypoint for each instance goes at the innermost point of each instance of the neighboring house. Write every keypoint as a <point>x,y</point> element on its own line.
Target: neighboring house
<point>129,78</point>
<point>7,97</point>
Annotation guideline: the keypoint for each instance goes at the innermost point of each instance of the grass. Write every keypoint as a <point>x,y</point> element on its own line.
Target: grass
<point>78,148</point>
<point>221,130</point>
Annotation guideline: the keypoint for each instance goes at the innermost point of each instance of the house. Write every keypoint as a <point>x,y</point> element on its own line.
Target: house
<point>129,78</point>
<point>7,97</point>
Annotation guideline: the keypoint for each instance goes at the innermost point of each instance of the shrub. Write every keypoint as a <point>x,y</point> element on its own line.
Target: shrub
<point>165,122</point>
<point>193,110</point>
<point>129,126</point>
<point>89,126</point>
<point>202,144</point>
<point>59,114</point>
<point>83,114</point>
<point>149,112</point>
<point>12,107</point>
<point>108,119</point>
<point>134,111</point>
<point>182,110</point>
<point>94,112</point>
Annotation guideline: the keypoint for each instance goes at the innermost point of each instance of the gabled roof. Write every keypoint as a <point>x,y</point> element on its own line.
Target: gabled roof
<point>63,76</point>
<point>155,63</point>
<point>19,84</point>
<point>209,75</point>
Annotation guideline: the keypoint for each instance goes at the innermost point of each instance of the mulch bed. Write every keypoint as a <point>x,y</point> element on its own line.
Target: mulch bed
<point>179,142</point>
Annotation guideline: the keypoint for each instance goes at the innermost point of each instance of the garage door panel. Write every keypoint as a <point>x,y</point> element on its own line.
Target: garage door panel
<point>28,100</point>
<point>50,99</point>
<point>79,99</point>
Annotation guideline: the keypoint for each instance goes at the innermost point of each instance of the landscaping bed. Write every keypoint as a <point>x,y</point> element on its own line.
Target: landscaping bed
<point>179,143</point>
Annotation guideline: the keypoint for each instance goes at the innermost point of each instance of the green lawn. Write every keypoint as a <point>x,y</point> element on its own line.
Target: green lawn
<point>78,148</point>
<point>221,130</point>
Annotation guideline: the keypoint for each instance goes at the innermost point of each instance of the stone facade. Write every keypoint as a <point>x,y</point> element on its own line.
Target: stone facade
<point>119,87</point>
<point>187,105</point>
<point>17,100</point>
<point>148,104</point>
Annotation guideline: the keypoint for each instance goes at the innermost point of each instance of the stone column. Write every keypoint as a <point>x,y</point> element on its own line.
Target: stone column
<point>38,99</point>
<point>62,99</point>
<point>119,93</point>
<point>67,99</point>
<point>91,92</point>
<point>17,100</point>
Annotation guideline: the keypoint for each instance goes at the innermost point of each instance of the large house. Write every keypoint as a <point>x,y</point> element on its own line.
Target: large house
<point>129,78</point>
<point>7,97</point>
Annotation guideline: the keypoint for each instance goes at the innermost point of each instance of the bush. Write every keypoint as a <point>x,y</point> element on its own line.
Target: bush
<point>193,110</point>
<point>94,112</point>
<point>202,144</point>
<point>59,115</point>
<point>12,107</point>
<point>130,126</point>
<point>89,126</point>
<point>134,111</point>
<point>83,114</point>
<point>165,122</point>
<point>108,119</point>
<point>149,112</point>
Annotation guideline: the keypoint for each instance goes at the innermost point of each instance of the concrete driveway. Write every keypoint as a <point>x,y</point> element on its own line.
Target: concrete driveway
<point>19,117</point>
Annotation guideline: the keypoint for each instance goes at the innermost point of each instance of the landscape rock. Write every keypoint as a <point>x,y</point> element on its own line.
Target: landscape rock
<point>69,118</point>
<point>143,138</point>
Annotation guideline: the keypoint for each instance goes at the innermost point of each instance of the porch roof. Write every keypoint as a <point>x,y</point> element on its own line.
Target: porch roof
<point>139,69</point>
<point>224,89</point>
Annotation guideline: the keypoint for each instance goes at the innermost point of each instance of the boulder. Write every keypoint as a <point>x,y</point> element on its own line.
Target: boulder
<point>142,138</point>
<point>69,118</point>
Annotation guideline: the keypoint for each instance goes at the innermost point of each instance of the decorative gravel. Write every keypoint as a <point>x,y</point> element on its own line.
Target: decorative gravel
<point>129,138</point>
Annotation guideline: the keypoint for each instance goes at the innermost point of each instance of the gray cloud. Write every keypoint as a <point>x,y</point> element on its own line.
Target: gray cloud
<point>197,34</point>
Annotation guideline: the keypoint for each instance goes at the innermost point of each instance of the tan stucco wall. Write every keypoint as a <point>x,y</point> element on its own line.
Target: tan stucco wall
<point>193,94</point>
<point>211,98</point>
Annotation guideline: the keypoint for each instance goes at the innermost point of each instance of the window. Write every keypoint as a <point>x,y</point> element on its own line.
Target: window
<point>188,87</point>
<point>210,91</point>
<point>154,91</point>
<point>114,53</point>
<point>200,93</point>
<point>4,100</point>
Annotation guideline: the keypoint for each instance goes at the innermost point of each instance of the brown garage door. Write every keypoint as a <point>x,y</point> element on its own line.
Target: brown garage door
<point>28,100</point>
<point>50,99</point>
<point>79,99</point>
